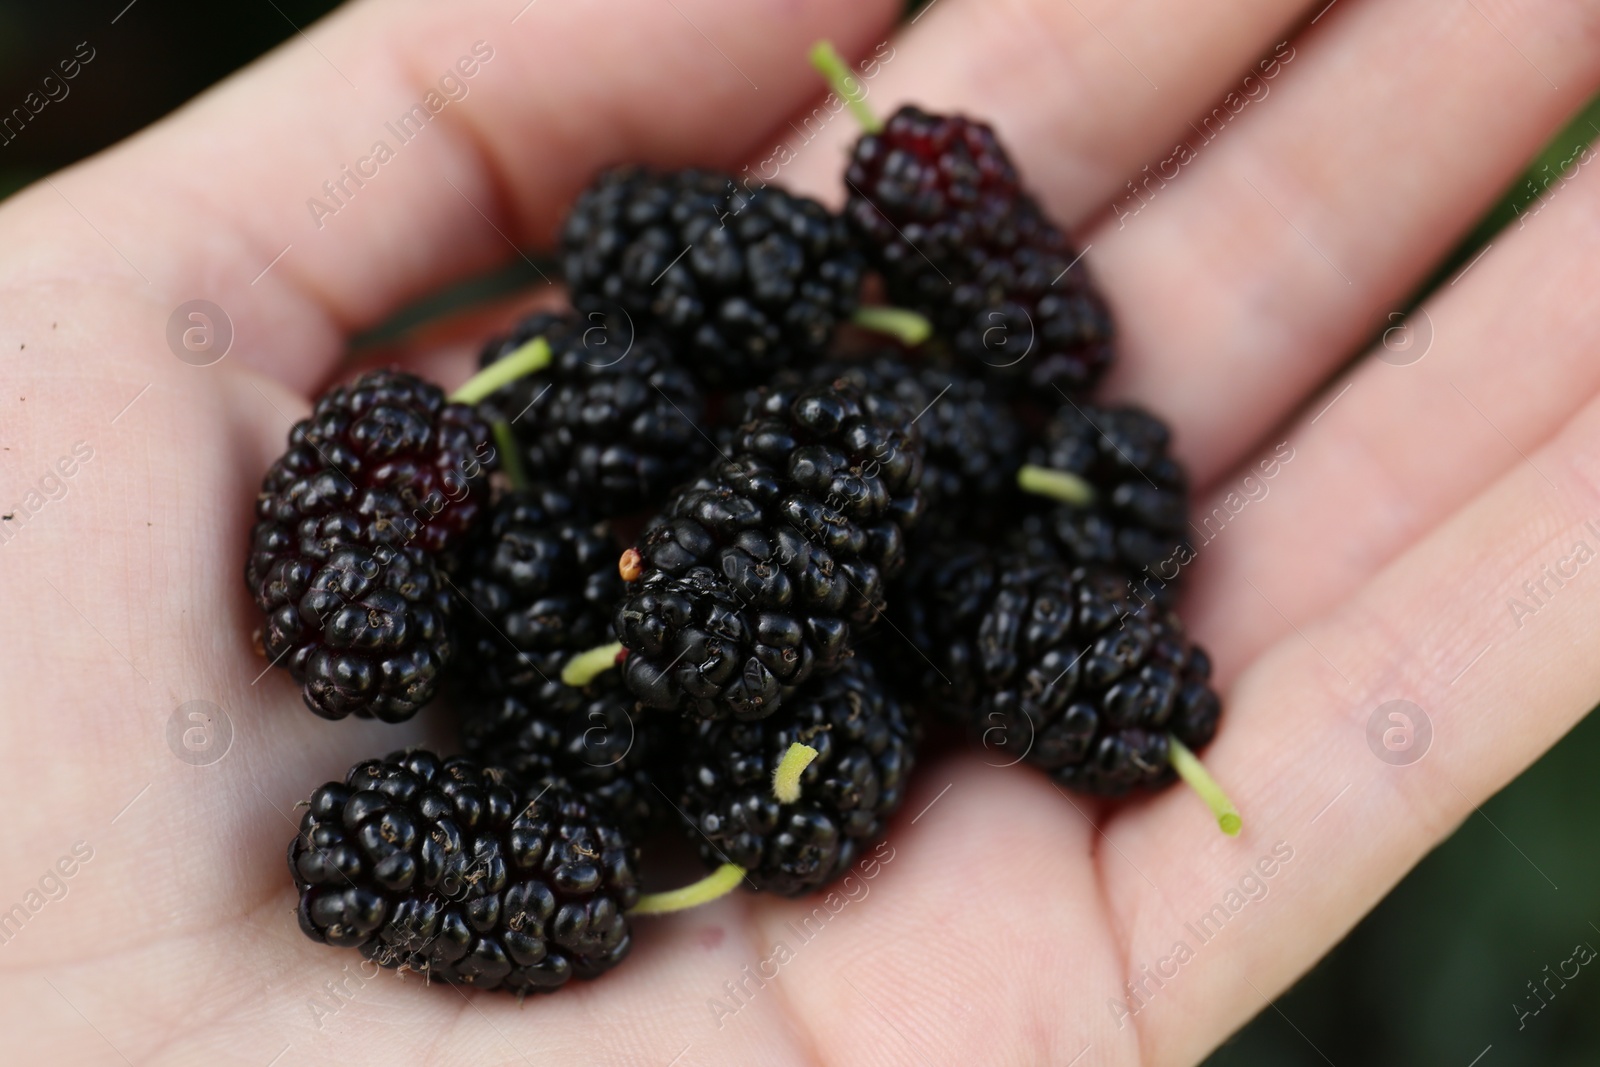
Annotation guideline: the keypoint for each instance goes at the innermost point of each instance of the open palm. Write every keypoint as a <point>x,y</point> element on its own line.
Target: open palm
<point>1358,540</point>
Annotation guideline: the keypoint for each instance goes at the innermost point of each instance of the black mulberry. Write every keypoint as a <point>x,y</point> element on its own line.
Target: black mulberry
<point>742,281</point>
<point>464,874</point>
<point>937,204</point>
<point>865,747</point>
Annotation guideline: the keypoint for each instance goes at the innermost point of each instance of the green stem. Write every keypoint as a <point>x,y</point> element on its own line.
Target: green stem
<point>831,65</point>
<point>907,327</point>
<point>786,779</point>
<point>1192,771</point>
<point>586,666</point>
<point>718,883</point>
<point>1058,485</point>
<point>510,454</point>
<point>533,356</point>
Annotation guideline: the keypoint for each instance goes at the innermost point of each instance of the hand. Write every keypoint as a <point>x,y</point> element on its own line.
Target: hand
<point>1407,499</point>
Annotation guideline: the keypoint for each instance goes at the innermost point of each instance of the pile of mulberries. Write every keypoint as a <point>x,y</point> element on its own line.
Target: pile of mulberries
<point>697,562</point>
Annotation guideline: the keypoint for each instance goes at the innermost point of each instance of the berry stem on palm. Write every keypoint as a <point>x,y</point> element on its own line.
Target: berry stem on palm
<point>533,356</point>
<point>786,779</point>
<point>907,327</point>
<point>505,442</point>
<point>1192,771</point>
<point>831,65</point>
<point>1058,485</point>
<point>718,883</point>
<point>586,666</point>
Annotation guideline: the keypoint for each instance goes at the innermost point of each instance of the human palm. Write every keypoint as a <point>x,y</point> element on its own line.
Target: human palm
<point>1371,561</point>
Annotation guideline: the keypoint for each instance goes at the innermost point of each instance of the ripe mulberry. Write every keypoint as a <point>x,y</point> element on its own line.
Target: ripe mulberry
<point>464,874</point>
<point>614,420</point>
<point>539,578</point>
<point>865,747</point>
<point>742,282</point>
<point>754,574</point>
<point>1069,671</point>
<point>1137,520</point>
<point>592,737</point>
<point>937,204</point>
<point>383,475</point>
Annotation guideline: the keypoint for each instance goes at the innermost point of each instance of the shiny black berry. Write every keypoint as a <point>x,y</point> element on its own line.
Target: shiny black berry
<point>464,874</point>
<point>743,281</point>
<point>539,578</point>
<point>865,745</point>
<point>1138,518</point>
<point>754,575</point>
<point>937,204</point>
<point>615,419</point>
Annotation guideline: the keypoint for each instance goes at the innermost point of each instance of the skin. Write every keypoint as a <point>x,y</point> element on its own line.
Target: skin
<point>1376,566</point>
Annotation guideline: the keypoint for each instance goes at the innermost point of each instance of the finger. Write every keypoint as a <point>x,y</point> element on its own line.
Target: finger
<point>1097,89</point>
<point>1304,749</point>
<point>1503,357</point>
<point>540,102</point>
<point>1245,278</point>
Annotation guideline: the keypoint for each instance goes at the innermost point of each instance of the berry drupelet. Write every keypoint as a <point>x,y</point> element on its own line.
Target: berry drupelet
<point>464,874</point>
<point>938,206</point>
<point>613,417</point>
<point>1133,513</point>
<point>743,282</point>
<point>865,746</point>
<point>539,578</point>
<point>753,576</point>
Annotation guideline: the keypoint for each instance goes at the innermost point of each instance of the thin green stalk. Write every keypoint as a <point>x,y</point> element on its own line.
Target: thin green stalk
<point>1058,485</point>
<point>586,666</point>
<point>786,779</point>
<point>831,65</point>
<point>505,442</point>
<point>533,356</point>
<point>1192,771</point>
<point>718,883</point>
<point>907,327</point>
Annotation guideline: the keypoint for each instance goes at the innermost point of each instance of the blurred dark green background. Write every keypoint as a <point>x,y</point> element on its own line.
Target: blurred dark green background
<point>1430,977</point>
